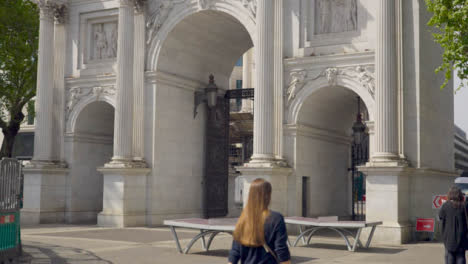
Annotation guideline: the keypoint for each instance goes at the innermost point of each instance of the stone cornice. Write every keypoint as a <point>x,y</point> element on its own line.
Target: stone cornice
<point>318,133</point>
<point>90,80</point>
<point>174,81</point>
<point>318,62</point>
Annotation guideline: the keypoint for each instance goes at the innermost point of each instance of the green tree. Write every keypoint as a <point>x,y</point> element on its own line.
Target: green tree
<point>450,18</point>
<point>19,37</point>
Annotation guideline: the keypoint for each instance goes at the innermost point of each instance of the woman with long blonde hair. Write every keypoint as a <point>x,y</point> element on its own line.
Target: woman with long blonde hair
<point>260,236</point>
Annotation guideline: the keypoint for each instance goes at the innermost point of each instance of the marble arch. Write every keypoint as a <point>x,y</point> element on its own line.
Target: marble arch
<point>156,140</point>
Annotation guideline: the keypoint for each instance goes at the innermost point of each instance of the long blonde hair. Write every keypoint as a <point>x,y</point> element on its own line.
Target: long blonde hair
<point>250,227</point>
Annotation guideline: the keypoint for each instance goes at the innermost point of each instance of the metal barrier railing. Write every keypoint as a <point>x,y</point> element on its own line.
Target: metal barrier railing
<point>11,193</point>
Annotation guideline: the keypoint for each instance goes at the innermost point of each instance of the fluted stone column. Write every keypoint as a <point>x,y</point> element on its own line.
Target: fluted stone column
<point>123,128</point>
<point>44,136</point>
<point>60,47</point>
<point>386,121</point>
<point>139,83</point>
<point>263,151</point>
<point>264,163</point>
<point>278,79</point>
<point>45,178</point>
<point>247,68</point>
<point>124,194</point>
<point>387,176</point>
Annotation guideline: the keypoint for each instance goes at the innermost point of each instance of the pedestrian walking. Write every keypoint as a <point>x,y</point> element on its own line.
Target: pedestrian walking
<point>260,236</point>
<point>453,216</point>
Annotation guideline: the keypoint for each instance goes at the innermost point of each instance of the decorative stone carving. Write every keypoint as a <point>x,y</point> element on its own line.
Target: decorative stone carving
<point>157,18</point>
<point>251,5</point>
<point>104,40</point>
<point>362,73</point>
<point>365,75</point>
<point>331,74</point>
<point>60,13</point>
<point>76,94</point>
<point>295,85</point>
<point>50,9</point>
<point>335,16</point>
<point>140,5</point>
<point>205,4</point>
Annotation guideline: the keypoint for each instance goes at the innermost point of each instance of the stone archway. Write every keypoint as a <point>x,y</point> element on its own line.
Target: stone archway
<point>214,39</point>
<point>320,116</point>
<point>89,146</point>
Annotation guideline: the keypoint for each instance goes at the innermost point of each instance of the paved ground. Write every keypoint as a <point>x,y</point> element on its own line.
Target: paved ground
<point>88,244</point>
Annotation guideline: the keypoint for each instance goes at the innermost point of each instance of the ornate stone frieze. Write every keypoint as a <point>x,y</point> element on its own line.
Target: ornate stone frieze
<point>364,74</point>
<point>158,15</point>
<point>335,16</point>
<point>76,94</point>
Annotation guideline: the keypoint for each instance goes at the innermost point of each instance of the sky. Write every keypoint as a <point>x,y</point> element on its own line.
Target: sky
<point>461,106</point>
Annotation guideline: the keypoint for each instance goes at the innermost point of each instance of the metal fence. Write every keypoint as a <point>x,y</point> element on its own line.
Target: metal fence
<point>11,193</point>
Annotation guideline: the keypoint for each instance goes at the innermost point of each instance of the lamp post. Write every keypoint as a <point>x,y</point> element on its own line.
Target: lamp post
<point>208,96</point>
<point>359,128</point>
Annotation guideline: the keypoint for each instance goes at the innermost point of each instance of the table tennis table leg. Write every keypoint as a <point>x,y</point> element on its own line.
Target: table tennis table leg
<point>370,237</point>
<point>203,242</point>
<point>176,239</point>
<point>303,238</point>
<point>356,240</point>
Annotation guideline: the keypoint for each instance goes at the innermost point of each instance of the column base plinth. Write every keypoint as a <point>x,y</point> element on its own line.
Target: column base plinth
<point>44,192</point>
<point>278,177</point>
<point>124,197</point>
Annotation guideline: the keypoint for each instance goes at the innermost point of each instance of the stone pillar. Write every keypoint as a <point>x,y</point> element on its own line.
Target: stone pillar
<point>278,79</point>
<point>264,163</point>
<point>124,194</point>
<point>43,134</point>
<point>123,128</point>
<point>45,177</point>
<point>264,94</point>
<point>247,78</point>
<point>60,47</point>
<point>386,95</point>
<point>139,86</point>
<point>387,175</point>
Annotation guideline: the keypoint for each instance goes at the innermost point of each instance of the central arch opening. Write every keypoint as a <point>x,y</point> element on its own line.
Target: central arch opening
<point>204,43</point>
<point>328,149</point>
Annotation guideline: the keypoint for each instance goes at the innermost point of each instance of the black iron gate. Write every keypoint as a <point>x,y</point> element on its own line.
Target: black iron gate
<point>359,156</point>
<point>215,183</point>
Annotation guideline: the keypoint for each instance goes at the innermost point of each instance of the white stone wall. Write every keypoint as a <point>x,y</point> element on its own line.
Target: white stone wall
<point>177,165</point>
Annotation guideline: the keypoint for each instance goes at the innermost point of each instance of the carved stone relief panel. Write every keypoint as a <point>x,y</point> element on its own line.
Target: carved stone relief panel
<point>335,16</point>
<point>104,40</point>
<point>97,45</point>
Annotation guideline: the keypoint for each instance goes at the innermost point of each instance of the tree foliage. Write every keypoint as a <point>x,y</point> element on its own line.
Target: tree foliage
<point>450,18</point>
<point>19,37</point>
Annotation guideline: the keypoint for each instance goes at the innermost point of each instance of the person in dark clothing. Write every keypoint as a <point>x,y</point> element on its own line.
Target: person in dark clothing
<point>260,236</point>
<point>454,227</point>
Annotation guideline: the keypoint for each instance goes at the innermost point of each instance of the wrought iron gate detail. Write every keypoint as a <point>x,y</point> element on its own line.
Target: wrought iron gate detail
<point>359,156</point>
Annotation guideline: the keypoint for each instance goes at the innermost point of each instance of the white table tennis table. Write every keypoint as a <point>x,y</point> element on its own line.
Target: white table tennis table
<point>309,226</point>
<point>207,227</point>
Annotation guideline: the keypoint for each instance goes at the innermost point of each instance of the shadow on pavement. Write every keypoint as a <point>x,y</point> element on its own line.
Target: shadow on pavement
<point>34,252</point>
<point>373,250</point>
<point>224,253</point>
